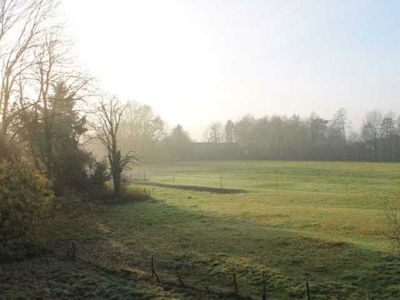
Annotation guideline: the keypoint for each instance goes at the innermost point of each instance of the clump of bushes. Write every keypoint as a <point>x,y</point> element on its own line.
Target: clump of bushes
<point>24,195</point>
<point>97,178</point>
<point>100,189</point>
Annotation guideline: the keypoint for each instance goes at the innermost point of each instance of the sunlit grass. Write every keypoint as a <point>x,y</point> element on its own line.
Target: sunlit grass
<point>296,218</point>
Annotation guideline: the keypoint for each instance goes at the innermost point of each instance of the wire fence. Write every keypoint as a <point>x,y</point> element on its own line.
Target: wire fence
<point>269,185</point>
<point>180,275</point>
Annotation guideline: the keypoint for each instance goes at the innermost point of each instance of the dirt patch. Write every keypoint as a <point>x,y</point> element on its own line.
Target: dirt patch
<point>193,188</point>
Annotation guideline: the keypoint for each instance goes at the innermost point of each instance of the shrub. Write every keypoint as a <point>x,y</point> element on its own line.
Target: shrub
<point>98,178</point>
<point>24,194</point>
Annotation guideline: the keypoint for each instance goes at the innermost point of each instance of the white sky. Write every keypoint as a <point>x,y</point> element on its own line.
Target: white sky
<point>197,61</point>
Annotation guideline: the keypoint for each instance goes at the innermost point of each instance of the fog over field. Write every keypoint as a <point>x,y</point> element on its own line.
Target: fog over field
<point>199,149</point>
<point>196,62</point>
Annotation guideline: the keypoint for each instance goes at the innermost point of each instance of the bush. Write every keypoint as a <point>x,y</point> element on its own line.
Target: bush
<point>98,176</point>
<point>24,194</point>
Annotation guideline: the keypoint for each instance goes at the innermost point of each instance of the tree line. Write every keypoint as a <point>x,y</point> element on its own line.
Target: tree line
<point>312,138</point>
<point>269,137</point>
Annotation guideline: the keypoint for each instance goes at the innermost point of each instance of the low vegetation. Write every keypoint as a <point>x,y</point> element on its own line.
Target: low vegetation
<point>335,241</point>
<point>24,196</point>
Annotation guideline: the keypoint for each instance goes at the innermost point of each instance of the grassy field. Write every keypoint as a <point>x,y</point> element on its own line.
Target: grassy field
<point>342,201</point>
<point>296,222</point>
<point>322,219</point>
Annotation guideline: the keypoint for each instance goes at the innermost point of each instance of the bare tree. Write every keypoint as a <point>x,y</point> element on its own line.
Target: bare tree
<point>388,136</point>
<point>110,116</point>
<point>141,129</point>
<point>215,133</point>
<point>370,132</point>
<point>22,22</point>
<point>229,132</point>
<point>51,67</point>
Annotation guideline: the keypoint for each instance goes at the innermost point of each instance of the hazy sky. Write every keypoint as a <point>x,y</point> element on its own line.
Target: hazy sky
<point>196,61</point>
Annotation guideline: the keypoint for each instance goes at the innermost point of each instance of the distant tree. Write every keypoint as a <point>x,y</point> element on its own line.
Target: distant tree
<point>337,135</point>
<point>295,138</point>
<point>141,130</point>
<point>229,132</point>
<point>245,134</point>
<point>317,137</point>
<point>259,145</point>
<point>370,133</point>
<point>110,114</point>
<point>215,133</point>
<point>388,137</point>
<point>276,137</point>
<point>177,144</point>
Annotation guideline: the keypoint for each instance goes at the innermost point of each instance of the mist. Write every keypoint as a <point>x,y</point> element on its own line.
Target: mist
<point>196,62</point>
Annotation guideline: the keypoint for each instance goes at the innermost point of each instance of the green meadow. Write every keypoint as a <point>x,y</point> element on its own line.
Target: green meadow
<point>321,222</point>
<point>295,222</point>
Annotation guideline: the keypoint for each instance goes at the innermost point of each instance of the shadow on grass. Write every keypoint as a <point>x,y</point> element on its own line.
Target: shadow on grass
<point>49,277</point>
<point>206,250</point>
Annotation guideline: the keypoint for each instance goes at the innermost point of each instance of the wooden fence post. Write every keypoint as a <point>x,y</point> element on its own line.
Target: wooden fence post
<point>308,291</point>
<point>264,294</point>
<point>180,279</point>
<point>67,249</point>
<point>207,290</point>
<point>153,271</point>
<point>235,283</point>
<point>73,254</point>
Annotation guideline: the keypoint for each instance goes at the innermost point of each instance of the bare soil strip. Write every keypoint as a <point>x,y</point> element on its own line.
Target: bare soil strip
<point>193,188</point>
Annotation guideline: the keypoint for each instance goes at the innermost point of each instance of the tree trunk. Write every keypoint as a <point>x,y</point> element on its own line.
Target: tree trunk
<point>117,183</point>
